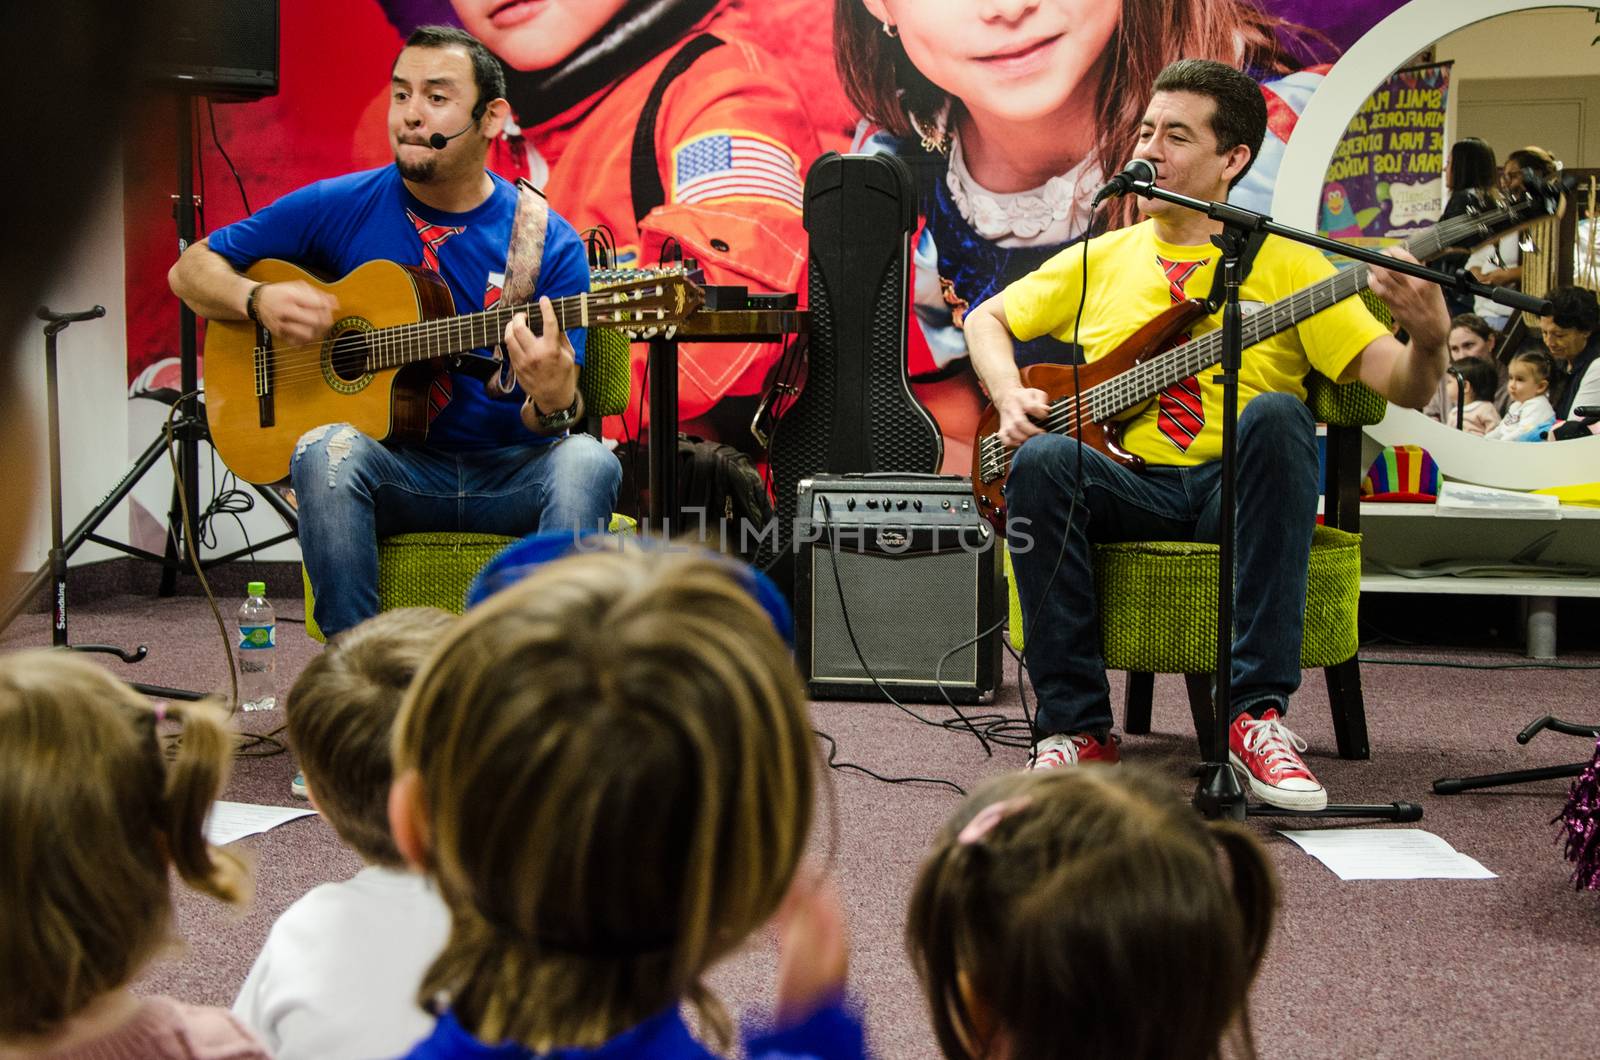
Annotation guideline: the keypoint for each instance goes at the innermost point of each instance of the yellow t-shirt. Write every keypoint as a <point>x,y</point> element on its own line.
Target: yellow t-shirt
<point>1129,286</point>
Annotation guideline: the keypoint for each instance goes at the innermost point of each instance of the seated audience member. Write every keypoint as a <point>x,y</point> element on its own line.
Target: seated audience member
<point>338,975</point>
<point>1469,337</point>
<point>1089,913</point>
<point>1500,263</point>
<point>607,768</point>
<point>93,819</point>
<point>1572,335</point>
<point>1530,413</point>
<point>1477,377</point>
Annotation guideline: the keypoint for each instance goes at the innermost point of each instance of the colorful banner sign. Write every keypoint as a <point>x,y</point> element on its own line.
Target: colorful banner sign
<point>1386,179</point>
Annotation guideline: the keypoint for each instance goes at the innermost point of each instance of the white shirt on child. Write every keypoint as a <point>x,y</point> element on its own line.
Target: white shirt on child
<point>338,976</point>
<point>1523,418</point>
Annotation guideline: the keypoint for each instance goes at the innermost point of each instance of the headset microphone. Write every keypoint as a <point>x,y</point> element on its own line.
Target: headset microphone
<point>438,140</point>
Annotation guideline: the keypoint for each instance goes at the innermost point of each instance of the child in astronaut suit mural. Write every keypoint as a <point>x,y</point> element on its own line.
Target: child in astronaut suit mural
<point>732,141</point>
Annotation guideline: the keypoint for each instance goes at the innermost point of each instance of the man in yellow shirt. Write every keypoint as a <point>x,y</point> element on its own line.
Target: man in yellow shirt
<point>1202,129</point>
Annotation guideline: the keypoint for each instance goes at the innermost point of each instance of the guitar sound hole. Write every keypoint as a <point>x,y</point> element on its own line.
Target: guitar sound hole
<point>349,358</point>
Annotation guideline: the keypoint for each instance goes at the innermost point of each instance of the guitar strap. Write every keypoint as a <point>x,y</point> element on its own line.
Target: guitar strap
<point>1219,293</point>
<point>523,260</point>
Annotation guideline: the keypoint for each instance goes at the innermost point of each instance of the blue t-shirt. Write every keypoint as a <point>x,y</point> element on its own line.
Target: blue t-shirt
<point>333,226</point>
<point>833,1032</point>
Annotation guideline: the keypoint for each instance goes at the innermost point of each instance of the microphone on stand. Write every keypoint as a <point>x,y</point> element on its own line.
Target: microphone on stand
<point>1461,393</point>
<point>438,140</point>
<point>1136,172</point>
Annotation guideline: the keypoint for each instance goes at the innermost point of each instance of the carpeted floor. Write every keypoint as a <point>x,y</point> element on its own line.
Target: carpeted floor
<point>1363,969</point>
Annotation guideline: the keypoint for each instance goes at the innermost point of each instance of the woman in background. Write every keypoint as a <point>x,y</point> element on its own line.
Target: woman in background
<point>1471,176</point>
<point>1500,263</point>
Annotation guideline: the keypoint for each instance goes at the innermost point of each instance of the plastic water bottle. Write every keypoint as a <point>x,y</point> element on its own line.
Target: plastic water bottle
<point>258,650</point>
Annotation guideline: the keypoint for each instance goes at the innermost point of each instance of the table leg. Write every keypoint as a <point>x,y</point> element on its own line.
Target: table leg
<point>663,370</point>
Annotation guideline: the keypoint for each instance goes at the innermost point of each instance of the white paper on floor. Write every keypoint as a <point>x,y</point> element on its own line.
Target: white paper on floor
<point>1387,854</point>
<point>230,821</point>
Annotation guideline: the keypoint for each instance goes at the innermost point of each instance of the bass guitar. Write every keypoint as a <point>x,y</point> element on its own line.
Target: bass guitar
<point>397,327</point>
<point>1113,389</point>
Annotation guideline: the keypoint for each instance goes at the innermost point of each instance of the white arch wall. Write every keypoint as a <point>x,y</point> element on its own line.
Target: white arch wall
<point>1383,49</point>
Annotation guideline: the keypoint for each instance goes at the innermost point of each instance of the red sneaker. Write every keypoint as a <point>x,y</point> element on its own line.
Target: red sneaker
<point>1074,748</point>
<point>1266,754</point>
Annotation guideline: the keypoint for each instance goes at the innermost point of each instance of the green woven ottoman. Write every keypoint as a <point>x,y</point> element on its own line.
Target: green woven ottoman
<point>432,570</point>
<point>1158,614</point>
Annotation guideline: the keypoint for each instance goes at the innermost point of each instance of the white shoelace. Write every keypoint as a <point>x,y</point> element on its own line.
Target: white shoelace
<point>1276,742</point>
<point>1066,746</point>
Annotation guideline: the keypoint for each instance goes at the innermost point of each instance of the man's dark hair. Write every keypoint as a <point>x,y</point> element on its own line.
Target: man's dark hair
<point>1240,114</point>
<point>486,69</point>
<point>1575,307</point>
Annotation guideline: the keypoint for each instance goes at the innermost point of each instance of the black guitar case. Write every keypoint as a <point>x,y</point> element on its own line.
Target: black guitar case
<point>856,412</point>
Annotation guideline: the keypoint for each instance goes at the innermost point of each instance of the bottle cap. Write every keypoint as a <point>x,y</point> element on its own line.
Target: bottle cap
<point>256,588</point>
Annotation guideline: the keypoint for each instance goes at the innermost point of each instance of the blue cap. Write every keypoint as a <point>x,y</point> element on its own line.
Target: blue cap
<point>516,561</point>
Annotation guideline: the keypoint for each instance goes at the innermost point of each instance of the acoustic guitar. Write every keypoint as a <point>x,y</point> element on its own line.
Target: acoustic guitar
<point>1115,388</point>
<point>397,327</point>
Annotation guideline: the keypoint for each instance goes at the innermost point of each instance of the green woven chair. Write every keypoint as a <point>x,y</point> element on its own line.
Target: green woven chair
<point>435,569</point>
<point>431,570</point>
<point>1158,599</point>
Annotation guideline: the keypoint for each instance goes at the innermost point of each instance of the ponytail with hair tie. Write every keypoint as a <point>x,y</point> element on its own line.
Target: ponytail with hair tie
<point>193,780</point>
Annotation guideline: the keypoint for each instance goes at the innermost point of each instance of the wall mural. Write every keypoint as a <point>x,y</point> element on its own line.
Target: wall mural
<point>952,90</point>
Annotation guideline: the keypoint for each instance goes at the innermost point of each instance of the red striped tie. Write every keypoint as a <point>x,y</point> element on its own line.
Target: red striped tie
<point>1180,413</point>
<point>433,237</point>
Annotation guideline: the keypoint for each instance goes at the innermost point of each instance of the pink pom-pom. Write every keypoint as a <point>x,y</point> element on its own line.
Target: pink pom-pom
<point>1580,823</point>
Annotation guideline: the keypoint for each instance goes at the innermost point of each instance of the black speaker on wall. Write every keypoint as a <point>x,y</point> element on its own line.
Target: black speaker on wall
<point>897,590</point>
<point>224,49</point>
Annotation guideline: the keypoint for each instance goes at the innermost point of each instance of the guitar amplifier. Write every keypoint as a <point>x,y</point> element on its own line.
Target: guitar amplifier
<point>856,411</point>
<point>892,574</point>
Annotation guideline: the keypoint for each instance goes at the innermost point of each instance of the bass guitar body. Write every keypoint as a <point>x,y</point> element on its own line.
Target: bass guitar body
<point>991,460</point>
<point>261,397</point>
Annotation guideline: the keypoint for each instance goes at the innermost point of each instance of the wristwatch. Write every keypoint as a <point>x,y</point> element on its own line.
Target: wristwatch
<point>556,421</point>
<point>252,308</point>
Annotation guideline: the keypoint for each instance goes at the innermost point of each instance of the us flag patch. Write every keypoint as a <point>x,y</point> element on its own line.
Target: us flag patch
<point>723,164</point>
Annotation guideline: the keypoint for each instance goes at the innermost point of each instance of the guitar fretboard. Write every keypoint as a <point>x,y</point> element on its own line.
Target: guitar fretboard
<point>425,340</point>
<point>1146,380</point>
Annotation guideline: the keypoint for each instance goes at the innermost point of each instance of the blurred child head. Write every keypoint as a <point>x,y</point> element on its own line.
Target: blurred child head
<point>1481,376</point>
<point>92,816</point>
<point>1471,336</point>
<point>341,715</point>
<point>1091,902</point>
<point>607,769</point>
<point>1529,375</point>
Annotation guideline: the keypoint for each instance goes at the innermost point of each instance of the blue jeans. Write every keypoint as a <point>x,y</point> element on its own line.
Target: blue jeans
<point>1276,510</point>
<point>353,490</point>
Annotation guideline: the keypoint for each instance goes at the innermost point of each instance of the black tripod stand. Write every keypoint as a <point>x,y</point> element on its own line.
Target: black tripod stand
<point>1219,794</point>
<point>1456,785</point>
<point>188,429</point>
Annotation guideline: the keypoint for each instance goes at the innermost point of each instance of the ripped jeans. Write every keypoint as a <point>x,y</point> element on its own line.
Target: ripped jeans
<point>353,490</point>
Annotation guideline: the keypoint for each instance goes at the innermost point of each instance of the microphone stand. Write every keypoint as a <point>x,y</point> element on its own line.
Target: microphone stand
<point>1461,397</point>
<point>1219,794</point>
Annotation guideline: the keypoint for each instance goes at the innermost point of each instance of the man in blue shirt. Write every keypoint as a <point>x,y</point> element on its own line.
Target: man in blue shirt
<point>489,465</point>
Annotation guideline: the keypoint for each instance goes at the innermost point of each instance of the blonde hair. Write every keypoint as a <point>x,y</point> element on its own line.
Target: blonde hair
<point>1093,899</point>
<point>616,785</point>
<point>340,716</point>
<point>91,816</point>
